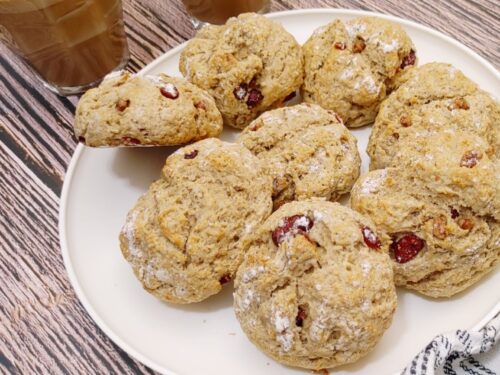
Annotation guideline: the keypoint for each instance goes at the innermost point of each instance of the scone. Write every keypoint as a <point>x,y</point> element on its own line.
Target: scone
<point>351,66</point>
<point>129,110</point>
<point>439,202</point>
<point>249,65</point>
<point>185,237</point>
<point>316,287</point>
<point>307,150</point>
<point>436,96</point>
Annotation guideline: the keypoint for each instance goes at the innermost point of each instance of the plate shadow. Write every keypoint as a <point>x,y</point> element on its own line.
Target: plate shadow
<point>140,166</point>
<point>220,301</point>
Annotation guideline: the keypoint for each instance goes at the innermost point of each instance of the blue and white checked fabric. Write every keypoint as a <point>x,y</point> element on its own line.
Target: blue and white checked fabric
<point>461,353</point>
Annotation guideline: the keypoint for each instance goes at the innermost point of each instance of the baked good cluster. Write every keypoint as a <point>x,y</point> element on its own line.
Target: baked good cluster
<point>314,281</point>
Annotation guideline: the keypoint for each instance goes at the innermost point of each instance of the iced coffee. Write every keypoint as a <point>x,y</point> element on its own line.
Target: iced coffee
<point>72,44</point>
<point>218,11</point>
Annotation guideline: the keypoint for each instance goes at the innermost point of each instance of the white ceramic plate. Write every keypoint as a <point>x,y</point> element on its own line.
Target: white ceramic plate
<point>101,185</point>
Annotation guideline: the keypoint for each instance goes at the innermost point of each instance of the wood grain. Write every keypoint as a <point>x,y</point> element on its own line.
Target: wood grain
<point>43,327</point>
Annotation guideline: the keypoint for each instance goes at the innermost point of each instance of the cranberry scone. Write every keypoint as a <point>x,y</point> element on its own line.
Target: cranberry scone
<point>186,236</point>
<point>351,66</point>
<point>249,65</point>
<point>439,204</point>
<point>316,287</point>
<point>307,151</point>
<point>131,110</point>
<point>435,97</point>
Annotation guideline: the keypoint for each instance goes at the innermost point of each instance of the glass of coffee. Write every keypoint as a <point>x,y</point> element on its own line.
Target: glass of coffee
<point>218,11</point>
<point>71,44</point>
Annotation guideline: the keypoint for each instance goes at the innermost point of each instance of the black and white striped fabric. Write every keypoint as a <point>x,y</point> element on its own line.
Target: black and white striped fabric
<point>461,352</point>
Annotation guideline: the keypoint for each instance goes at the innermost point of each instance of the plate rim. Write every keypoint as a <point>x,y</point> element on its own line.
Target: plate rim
<point>80,149</point>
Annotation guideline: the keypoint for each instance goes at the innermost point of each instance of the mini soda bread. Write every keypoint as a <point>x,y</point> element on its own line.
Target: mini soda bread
<point>307,150</point>
<point>439,202</point>
<point>185,237</point>
<point>351,66</point>
<point>316,287</point>
<point>129,110</point>
<point>249,65</point>
<point>436,96</point>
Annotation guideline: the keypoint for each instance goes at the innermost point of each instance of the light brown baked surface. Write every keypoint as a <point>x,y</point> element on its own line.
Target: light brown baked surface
<point>351,66</point>
<point>435,97</point>
<point>185,237</point>
<point>131,110</point>
<point>249,51</point>
<point>445,189</point>
<point>315,299</point>
<point>306,150</point>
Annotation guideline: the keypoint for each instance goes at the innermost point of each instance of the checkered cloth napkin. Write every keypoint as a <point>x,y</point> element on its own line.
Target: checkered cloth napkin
<point>461,352</point>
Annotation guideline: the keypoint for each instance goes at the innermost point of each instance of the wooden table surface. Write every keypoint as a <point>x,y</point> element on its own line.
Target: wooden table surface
<point>43,327</point>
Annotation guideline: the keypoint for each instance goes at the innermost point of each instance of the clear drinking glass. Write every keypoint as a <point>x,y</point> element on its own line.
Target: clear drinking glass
<point>218,11</point>
<point>71,44</point>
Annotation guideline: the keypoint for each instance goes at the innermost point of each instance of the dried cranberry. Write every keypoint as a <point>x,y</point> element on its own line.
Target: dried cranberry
<point>454,213</point>
<point>359,45</point>
<point>340,45</point>
<point>290,96</point>
<point>241,91</point>
<point>122,104</point>
<point>297,224</point>
<point>466,224</point>
<point>225,279</point>
<point>405,121</point>
<point>370,238</point>
<point>254,98</point>
<point>471,158</point>
<point>407,247</point>
<point>460,103</point>
<point>256,126</point>
<point>278,234</point>
<point>305,225</point>
<point>200,105</point>
<point>191,155</point>
<point>129,141</point>
<point>301,316</point>
<point>169,91</point>
<point>81,139</point>
<point>409,59</point>
<point>395,135</point>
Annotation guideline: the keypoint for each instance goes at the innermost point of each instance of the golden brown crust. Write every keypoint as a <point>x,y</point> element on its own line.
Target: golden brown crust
<point>185,237</point>
<point>145,111</point>
<point>444,189</point>
<point>351,66</point>
<point>311,293</point>
<point>307,150</point>
<point>249,65</point>
<point>434,97</point>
